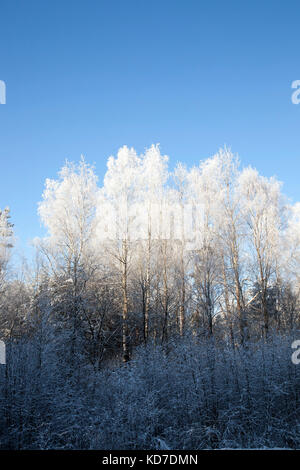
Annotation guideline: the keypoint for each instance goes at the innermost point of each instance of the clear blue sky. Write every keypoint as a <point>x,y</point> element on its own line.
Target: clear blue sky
<point>86,77</point>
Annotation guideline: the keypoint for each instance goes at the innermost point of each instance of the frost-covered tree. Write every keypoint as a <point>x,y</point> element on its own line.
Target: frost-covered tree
<point>182,200</point>
<point>263,212</point>
<point>154,177</point>
<point>6,241</point>
<point>7,309</point>
<point>204,190</point>
<point>115,213</point>
<point>68,212</point>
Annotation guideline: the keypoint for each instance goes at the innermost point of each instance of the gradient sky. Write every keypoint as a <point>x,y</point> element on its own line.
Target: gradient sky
<point>86,77</point>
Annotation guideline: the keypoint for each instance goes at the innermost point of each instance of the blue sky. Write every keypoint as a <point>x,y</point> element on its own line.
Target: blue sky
<point>86,77</point>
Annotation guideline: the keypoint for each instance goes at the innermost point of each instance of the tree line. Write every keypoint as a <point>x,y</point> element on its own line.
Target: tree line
<point>154,254</point>
<point>158,312</point>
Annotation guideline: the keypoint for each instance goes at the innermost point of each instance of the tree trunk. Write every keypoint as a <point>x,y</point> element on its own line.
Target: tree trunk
<point>125,346</point>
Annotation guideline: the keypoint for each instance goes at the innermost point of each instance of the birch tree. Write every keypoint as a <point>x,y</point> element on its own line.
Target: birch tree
<point>6,241</point>
<point>262,209</point>
<point>120,193</point>
<point>154,177</point>
<point>68,212</point>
